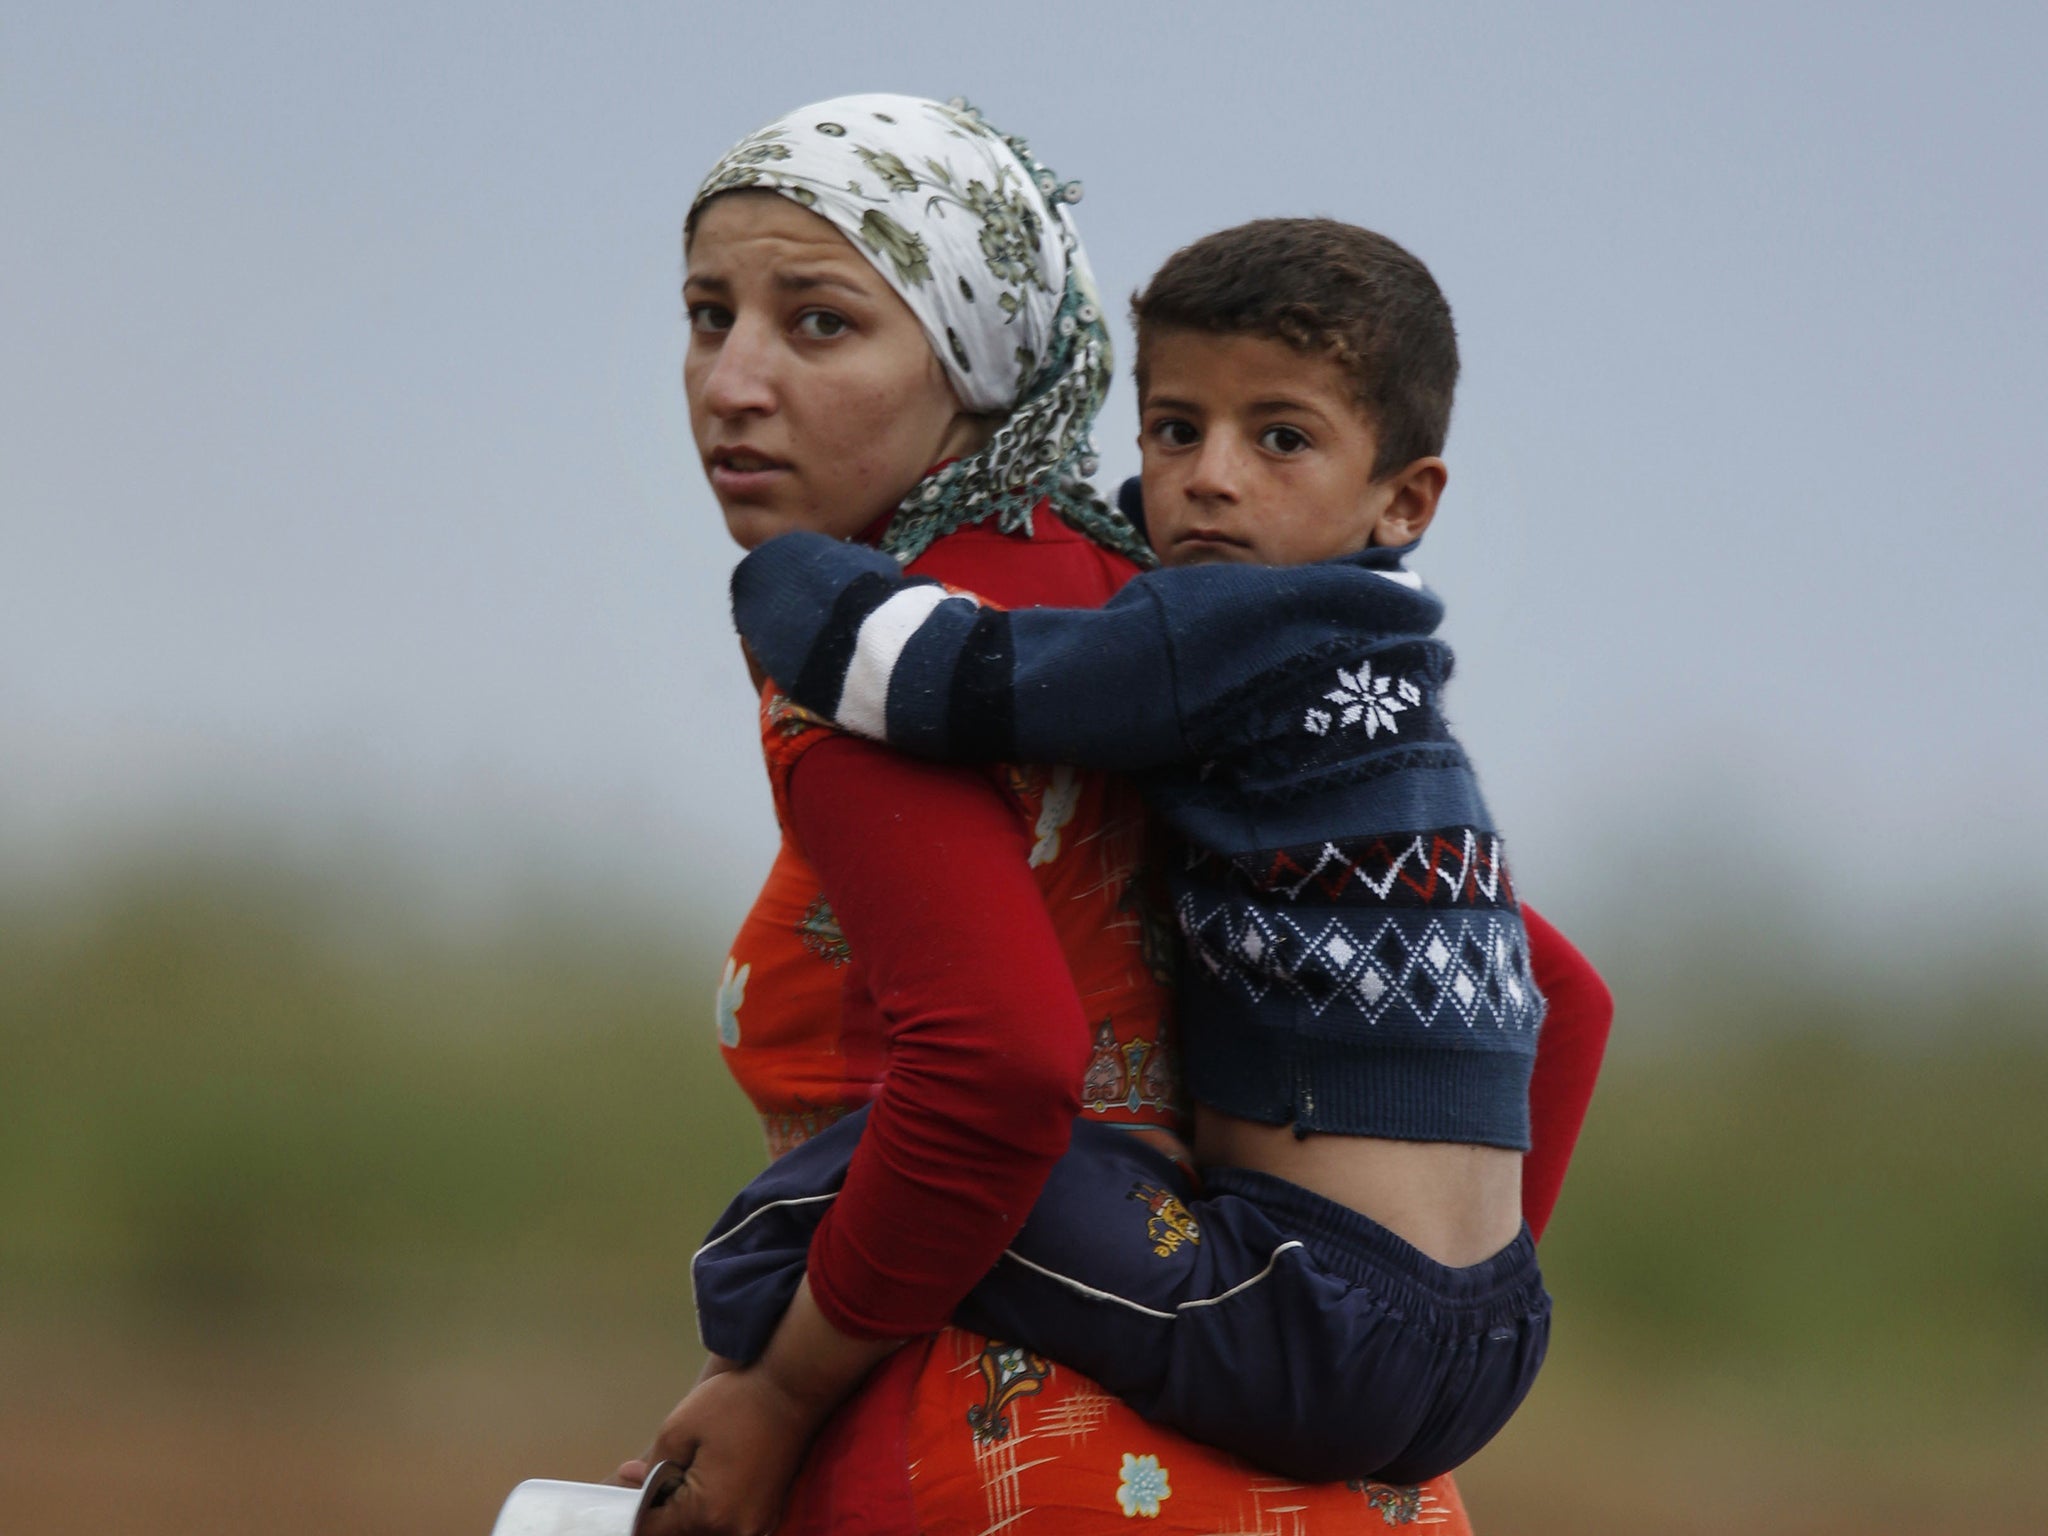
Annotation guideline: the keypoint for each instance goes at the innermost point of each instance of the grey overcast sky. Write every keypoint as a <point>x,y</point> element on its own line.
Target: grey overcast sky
<point>346,488</point>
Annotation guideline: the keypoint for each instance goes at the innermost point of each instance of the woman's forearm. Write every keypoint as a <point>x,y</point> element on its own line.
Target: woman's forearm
<point>927,871</point>
<point>1568,1055</point>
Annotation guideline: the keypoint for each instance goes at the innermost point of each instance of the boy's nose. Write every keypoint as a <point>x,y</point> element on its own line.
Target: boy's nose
<point>1217,470</point>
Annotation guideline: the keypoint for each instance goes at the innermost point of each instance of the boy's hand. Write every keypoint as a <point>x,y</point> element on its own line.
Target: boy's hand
<point>742,1437</point>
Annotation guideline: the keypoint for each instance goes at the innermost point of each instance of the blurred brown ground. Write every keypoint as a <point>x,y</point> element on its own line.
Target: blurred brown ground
<point>182,1436</point>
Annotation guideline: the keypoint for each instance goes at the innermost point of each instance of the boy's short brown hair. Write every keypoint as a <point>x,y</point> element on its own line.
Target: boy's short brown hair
<point>1323,286</point>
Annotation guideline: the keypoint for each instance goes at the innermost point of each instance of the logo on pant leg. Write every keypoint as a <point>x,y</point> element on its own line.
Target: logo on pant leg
<point>1170,1223</point>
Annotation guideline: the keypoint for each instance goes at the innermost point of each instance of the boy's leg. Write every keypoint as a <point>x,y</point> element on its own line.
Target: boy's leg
<point>1119,1251</point>
<point>755,1256</point>
<point>1379,1361</point>
<point>1258,1317</point>
<point>1262,1319</point>
<point>1491,1372</point>
<point>753,1261</point>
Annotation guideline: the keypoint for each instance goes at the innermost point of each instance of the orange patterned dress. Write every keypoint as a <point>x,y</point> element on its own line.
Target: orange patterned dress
<point>958,1435</point>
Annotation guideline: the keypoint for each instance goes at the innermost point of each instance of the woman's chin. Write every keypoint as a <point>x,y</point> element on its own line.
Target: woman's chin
<point>753,523</point>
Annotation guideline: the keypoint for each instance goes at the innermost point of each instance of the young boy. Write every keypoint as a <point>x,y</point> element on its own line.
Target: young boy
<point>1352,1292</point>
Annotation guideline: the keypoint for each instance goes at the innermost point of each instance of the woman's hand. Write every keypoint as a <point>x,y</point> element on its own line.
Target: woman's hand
<point>741,1436</point>
<point>633,1474</point>
<point>742,1432</point>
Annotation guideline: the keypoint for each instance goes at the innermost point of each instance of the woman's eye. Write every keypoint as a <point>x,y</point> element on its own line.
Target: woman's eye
<point>707,319</point>
<point>820,324</point>
<point>1172,432</point>
<point>1286,440</point>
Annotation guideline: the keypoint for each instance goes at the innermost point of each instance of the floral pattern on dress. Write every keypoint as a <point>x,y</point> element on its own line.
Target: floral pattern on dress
<point>1394,1505</point>
<point>1009,1372</point>
<point>788,718</point>
<point>1060,1471</point>
<point>787,1131</point>
<point>1142,1486</point>
<point>1062,796</point>
<point>821,934</point>
<point>732,992</point>
<point>1128,1075</point>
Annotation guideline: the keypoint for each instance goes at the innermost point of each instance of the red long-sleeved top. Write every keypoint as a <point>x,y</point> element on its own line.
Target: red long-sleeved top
<point>1568,1054</point>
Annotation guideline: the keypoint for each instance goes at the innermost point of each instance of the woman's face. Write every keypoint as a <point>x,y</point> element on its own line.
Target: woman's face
<point>814,398</point>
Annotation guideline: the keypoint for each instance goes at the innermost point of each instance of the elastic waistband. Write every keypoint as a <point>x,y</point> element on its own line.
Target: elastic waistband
<point>1352,1246</point>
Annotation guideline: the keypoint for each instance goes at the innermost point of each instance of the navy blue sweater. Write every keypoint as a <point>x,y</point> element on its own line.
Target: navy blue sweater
<point>1355,960</point>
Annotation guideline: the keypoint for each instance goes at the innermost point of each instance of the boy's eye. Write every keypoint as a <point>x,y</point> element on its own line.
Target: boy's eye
<point>820,324</point>
<point>1172,432</point>
<point>1285,440</point>
<point>709,319</point>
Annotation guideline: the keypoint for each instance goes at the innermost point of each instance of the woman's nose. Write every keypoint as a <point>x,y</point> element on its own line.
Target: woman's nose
<point>740,380</point>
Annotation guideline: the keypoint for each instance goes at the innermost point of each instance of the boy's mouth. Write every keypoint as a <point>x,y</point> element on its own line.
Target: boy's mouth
<point>1214,538</point>
<point>1205,546</point>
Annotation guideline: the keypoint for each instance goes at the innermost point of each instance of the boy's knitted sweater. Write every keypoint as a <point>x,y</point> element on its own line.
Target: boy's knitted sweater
<point>1355,959</point>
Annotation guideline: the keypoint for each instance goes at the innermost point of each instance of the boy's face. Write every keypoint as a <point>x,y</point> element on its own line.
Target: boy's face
<point>1257,453</point>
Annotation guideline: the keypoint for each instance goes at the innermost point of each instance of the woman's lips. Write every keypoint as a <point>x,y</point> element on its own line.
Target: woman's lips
<point>741,473</point>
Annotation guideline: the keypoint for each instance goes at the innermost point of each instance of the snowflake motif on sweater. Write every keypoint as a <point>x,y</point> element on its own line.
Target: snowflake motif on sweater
<point>1364,699</point>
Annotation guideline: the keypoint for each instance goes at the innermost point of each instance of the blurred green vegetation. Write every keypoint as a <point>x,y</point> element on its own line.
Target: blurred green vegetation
<point>233,1098</point>
<point>1846,1241</point>
<point>232,1094</point>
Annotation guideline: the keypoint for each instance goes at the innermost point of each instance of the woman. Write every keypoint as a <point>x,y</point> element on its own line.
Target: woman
<point>894,336</point>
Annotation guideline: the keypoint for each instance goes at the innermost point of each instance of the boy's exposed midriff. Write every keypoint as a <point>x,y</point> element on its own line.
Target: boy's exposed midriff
<point>1459,1204</point>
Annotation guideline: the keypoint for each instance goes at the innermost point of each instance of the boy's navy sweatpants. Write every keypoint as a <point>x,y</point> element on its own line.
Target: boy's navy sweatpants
<point>1255,1315</point>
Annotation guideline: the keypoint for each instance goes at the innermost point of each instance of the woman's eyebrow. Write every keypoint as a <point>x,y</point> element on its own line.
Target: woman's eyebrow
<point>804,282</point>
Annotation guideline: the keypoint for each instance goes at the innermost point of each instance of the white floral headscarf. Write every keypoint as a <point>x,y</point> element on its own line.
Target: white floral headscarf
<point>976,237</point>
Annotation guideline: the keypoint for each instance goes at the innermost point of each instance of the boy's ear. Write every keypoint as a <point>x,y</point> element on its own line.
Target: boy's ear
<point>1415,488</point>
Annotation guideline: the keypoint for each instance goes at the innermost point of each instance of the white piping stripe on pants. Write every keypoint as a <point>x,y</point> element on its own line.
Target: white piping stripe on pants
<point>1123,1301</point>
<point>752,1216</point>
